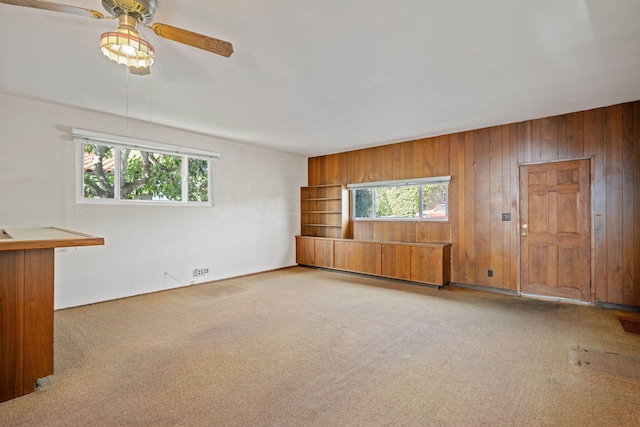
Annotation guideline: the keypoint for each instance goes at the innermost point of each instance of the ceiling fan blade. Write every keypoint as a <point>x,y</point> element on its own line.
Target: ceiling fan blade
<point>200,41</point>
<point>56,7</point>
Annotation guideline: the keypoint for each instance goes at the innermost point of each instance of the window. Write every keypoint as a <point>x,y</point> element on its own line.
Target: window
<point>419,199</point>
<point>123,170</point>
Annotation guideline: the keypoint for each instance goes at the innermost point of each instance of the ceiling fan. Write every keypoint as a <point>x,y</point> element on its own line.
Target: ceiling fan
<point>125,45</point>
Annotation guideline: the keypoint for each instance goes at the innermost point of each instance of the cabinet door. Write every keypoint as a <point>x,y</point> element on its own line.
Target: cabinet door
<point>26,320</point>
<point>11,324</point>
<point>340,254</point>
<point>359,257</point>
<point>426,264</point>
<point>305,250</point>
<point>396,261</point>
<point>324,253</point>
<point>38,316</point>
<point>364,257</point>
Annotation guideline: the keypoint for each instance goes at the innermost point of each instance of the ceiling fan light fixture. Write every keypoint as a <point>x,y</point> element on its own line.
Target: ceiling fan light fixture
<point>126,47</point>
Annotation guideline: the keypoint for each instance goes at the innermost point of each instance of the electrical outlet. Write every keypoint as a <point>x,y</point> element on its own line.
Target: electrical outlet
<point>200,271</point>
<point>490,273</point>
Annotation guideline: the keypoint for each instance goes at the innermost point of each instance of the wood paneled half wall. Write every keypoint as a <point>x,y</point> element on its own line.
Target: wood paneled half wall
<point>484,169</point>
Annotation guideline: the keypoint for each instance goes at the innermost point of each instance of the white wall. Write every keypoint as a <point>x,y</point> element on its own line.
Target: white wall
<point>250,229</point>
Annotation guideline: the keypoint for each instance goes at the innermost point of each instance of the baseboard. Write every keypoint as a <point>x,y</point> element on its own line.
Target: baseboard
<point>483,288</point>
<point>621,307</point>
<point>554,299</point>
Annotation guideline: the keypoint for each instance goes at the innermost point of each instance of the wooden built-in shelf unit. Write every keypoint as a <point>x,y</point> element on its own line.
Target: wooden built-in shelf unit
<point>326,241</point>
<point>324,211</point>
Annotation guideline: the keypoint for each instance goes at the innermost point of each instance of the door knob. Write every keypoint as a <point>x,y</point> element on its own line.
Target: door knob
<point>524,230</point>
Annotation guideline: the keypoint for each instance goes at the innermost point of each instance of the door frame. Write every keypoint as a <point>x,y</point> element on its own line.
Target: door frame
<point>592,263</point>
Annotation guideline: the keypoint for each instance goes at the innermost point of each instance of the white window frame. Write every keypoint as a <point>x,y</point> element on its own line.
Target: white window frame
<point>81,137</point>
<point>399,183</point>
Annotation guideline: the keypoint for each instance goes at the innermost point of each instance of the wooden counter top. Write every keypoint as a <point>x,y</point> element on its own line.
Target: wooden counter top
<point>12,239</point>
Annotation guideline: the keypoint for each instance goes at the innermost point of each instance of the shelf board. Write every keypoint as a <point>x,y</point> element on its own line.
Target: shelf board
<point>321,225</point>
<point>322,212</point>
<point>323,198</point>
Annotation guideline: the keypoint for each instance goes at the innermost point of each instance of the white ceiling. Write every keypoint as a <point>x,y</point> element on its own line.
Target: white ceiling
<point>318,77</point>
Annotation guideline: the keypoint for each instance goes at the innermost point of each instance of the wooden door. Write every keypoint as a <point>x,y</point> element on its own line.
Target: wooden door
<point>305,250</point>
<point>555,215</point>
<point>364,257</point>
<point>340,254</point>
<point>357,256</point>
<point>26,320</point>
<point>396,261</point>
<point>426,264</point>
<point>11,324</point>
<point>323,253</point>
<point>38,316</point>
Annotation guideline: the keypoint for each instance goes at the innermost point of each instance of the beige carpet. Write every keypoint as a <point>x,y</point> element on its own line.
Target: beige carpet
<point>303,347</point>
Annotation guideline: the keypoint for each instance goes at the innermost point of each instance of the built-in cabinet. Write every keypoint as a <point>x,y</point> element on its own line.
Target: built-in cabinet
<point>418,262</point>
<point>324,211</point>
<point>326,241</point>
<point>26,304</point>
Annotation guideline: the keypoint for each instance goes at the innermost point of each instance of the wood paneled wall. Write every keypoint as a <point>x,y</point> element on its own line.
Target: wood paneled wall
<point>483,165</point>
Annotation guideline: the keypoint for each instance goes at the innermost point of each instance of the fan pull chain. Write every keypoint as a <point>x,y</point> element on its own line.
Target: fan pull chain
<point>150,96</point>
<point>126,71</point>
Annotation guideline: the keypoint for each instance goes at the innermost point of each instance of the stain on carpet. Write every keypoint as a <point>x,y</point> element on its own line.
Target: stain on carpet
<point>629,325</point>
<point>593,359</point>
